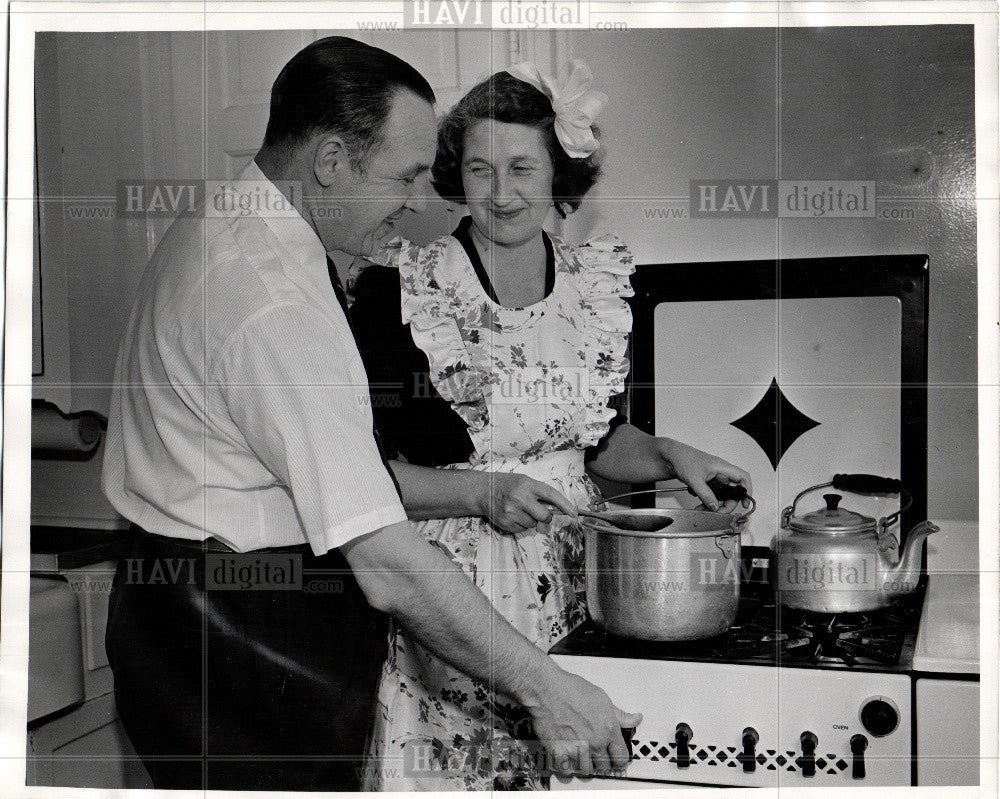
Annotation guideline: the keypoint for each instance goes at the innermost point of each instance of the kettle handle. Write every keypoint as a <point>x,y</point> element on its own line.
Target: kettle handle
<point>866,484</point>
<point>859,484</point>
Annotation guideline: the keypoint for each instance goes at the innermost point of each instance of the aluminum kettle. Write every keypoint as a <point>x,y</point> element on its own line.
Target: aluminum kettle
<point>834,560</point>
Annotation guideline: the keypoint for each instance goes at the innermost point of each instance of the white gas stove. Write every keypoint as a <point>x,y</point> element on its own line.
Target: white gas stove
<point>884,698</point>
<point>797,370</point>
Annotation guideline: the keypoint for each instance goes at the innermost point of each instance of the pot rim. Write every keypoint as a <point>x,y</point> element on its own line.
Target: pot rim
<point>600,526</point>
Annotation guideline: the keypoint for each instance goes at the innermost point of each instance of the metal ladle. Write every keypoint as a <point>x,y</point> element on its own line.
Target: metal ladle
<point>626,520</point>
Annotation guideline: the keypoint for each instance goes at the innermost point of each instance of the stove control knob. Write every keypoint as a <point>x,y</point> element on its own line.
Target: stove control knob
<point>807,763</point>
<point>858,746</point>
<point>879,717</point>
<point>682,737</point>
<point>748,757</point>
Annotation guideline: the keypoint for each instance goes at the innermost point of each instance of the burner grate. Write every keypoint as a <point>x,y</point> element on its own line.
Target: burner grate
<point>850,638</point>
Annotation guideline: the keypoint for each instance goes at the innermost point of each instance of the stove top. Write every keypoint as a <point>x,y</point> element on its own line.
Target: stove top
<point>770,635</point>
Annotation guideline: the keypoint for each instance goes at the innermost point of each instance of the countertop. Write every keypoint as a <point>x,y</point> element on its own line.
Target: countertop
<point>948,638</point>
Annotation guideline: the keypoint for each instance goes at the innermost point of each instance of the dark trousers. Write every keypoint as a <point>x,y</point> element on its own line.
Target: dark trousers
<point>223,682</point>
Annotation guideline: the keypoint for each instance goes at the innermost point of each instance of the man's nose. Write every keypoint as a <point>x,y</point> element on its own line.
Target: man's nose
<point>416,202</point>
<point>416,199</point>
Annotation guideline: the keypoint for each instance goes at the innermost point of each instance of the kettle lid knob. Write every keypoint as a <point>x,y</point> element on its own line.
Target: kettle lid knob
<point>832,501</point>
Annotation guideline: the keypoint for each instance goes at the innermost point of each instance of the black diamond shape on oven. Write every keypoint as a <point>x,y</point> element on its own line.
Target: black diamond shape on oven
<point>774,423</point>
<point>841,764</point>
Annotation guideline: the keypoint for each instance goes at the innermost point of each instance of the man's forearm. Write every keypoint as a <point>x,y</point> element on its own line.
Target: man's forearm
<point>440,606</point>
<point>438,493</point>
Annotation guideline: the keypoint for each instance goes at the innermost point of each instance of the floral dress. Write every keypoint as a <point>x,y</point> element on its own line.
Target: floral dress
<point>532,387</point>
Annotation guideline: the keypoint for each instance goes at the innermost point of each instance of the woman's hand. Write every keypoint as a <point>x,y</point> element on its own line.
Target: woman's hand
<point>515,503</point>
<point>695,468</point>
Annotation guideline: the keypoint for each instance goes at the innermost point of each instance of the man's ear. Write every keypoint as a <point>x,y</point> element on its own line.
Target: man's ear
<point>330,159</point>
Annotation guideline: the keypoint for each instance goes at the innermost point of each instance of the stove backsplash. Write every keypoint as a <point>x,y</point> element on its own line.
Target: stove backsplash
<point>827,368</point>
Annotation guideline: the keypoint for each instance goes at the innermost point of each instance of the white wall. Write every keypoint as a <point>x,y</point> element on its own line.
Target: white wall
<point>894,105</point>
<point>90,87</point>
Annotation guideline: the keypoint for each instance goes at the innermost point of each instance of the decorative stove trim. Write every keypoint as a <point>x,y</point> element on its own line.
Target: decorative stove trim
<point>728,756</point>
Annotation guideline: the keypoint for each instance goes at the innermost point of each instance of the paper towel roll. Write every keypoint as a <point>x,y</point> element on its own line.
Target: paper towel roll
<point>55,436</point>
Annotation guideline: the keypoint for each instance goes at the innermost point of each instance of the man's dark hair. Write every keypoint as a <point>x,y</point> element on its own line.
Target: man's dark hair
<point>504,98</point>
<point>339,85</point>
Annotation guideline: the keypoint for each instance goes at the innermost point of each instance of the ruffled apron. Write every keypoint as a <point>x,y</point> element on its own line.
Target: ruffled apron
<point>532,385</point>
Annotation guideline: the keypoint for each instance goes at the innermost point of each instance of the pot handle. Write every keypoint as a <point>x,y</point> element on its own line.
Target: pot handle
<point>722,491</point>
<point>736,520</point>
<point>726,543</point>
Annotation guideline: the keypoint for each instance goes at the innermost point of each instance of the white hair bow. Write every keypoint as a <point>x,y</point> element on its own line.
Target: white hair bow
<point>575,104</point>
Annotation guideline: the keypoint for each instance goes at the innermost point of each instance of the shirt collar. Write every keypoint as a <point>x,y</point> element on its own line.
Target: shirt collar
<point>291,229</point>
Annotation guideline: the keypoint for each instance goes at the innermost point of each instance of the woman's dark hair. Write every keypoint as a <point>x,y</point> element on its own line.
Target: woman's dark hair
<point>504,98</point>
<point>339,85</point>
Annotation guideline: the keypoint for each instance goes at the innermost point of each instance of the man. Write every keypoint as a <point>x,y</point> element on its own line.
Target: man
<point>239,440</point>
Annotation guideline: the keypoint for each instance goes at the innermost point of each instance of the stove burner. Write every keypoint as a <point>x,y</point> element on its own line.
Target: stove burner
<point>848,637</point>
<point>767,634</point>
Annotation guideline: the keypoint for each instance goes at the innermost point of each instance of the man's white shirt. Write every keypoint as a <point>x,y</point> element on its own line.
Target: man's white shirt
<point>240,408</point>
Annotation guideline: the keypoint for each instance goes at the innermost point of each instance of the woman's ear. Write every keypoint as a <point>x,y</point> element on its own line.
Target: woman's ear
<point>330,159</point>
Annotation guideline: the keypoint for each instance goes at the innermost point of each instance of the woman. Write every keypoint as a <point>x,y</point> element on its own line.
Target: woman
<point>511,359</point>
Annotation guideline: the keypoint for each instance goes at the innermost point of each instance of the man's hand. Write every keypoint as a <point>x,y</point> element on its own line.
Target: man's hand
<point>695,468</point>
<point>515,503</point>
<point>404,575</point>
<point>580,728</point>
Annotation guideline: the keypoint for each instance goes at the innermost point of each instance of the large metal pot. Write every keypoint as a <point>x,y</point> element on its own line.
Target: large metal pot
<point>675,584</point>
<point>833,560</point>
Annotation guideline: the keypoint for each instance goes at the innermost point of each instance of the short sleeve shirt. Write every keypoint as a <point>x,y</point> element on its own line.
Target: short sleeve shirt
<point>240,408</point>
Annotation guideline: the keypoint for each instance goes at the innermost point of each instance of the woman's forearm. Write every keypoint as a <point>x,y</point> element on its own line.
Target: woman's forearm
<point>430,493</point>
<point>512,502</point>
<point>629,455</point>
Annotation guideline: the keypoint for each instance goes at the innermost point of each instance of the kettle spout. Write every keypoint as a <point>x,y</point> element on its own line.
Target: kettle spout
<point>902,578</point>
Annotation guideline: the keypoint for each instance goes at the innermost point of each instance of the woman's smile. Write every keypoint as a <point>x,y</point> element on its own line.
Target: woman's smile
<point>507,177</point>
<point>505,214</point>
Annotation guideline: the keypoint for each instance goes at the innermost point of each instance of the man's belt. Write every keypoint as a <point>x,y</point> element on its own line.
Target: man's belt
<point>209,544</point>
